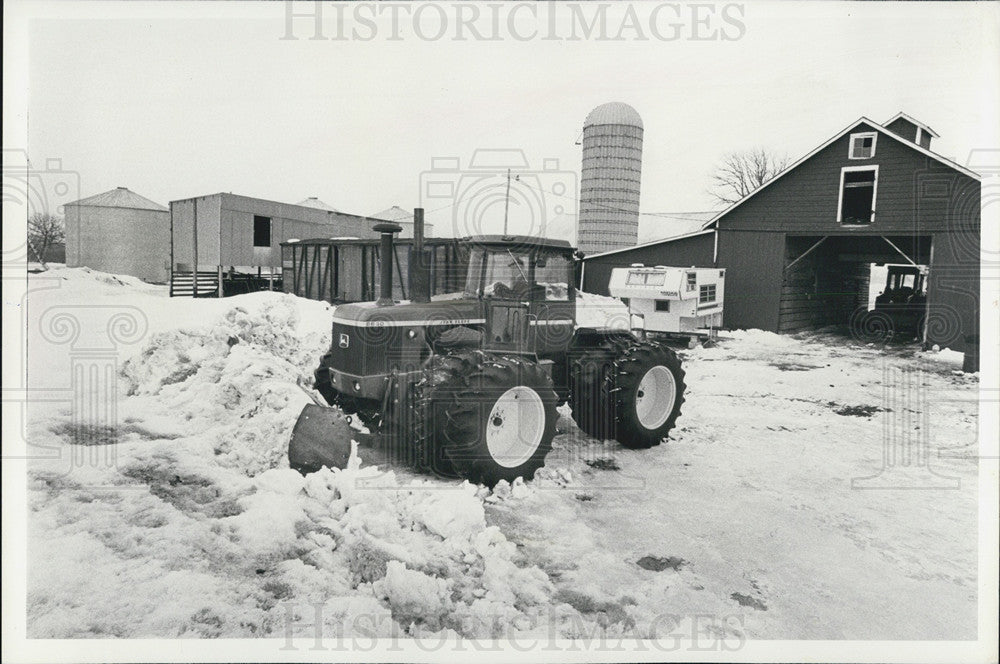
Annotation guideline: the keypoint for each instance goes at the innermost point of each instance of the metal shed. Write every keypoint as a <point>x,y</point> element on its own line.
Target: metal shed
<point>121,232</point>
<point>236,240</point>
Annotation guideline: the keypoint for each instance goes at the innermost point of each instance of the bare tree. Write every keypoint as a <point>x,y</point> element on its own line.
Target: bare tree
<point>742,173</point>
<point>44,230</point>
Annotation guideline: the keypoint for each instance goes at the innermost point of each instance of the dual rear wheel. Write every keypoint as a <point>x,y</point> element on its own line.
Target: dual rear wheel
<point>485,417</point>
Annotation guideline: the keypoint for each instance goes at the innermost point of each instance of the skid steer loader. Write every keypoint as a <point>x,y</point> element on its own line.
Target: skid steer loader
<point>468,384</point>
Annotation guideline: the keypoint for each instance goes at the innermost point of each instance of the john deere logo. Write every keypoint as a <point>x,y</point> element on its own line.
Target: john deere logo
<point>345,341</point>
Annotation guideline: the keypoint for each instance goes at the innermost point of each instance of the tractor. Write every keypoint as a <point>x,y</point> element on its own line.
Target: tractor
<point>901,308</point>
<point>467,384</point>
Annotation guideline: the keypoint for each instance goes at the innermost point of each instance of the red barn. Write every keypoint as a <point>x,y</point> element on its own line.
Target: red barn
<point>798,250</point>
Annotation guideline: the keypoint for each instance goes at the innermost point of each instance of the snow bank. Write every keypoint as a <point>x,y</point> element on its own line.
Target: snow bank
<point>199,528</point>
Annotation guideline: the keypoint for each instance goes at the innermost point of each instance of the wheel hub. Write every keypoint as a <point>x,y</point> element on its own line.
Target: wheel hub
<point>654,399</point>
<point>515,426</point>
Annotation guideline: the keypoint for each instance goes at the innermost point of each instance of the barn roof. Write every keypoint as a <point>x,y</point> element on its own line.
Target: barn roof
<point>120,197</point>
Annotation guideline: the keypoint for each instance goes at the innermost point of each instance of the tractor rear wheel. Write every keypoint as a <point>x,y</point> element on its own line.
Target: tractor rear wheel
<point>492,416</point>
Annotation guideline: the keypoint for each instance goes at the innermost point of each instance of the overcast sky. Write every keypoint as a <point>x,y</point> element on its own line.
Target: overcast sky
<point>182,104</point>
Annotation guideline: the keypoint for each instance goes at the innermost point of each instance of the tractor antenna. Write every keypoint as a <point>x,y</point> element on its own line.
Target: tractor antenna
<point>506,203</point>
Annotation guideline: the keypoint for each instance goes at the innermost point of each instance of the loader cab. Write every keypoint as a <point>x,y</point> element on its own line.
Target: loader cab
<point>525,285</point>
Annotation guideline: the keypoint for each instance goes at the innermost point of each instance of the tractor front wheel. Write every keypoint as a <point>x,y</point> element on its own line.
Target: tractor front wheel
<point>632,393</point>
<point>492,416</point>
<point>649,386</point>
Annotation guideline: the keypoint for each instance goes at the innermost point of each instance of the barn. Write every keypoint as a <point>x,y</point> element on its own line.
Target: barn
<point>121,232</point>
<point>798,251</point>
<point>236,240</point>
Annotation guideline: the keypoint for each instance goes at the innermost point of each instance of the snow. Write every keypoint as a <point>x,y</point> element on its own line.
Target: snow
<point>193,525</point>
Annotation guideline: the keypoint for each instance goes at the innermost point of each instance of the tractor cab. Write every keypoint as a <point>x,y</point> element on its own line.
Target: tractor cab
<point>525,285</point>
<point>902,283</point>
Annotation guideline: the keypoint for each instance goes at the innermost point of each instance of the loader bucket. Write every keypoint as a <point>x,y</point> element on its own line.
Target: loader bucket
<point>321,437</point>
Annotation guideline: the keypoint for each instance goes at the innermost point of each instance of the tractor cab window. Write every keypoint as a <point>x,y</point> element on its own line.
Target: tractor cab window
<point>507,275</point>
<point>552,272</point>
<point>910,281</point>
<point>473,285</point>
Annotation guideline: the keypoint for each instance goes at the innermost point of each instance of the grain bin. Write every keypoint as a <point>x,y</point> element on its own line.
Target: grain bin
<point>609,187</point>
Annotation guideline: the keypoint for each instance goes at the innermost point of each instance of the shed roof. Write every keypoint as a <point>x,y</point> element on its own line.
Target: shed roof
<point>395,213</point>
<point>313,202</point>
<point>120,197</point>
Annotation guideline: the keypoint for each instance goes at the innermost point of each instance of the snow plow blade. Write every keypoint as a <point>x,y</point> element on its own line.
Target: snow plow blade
<point>321,437</point>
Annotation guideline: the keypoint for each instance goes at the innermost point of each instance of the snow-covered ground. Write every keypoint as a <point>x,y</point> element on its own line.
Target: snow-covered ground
<point>754,521</point>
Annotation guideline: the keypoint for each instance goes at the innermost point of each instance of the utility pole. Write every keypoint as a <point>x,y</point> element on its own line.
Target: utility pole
<point>506,203</point>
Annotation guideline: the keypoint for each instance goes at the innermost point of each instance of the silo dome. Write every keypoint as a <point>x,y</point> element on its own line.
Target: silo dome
<point>610,176</point>
<point>614,113</point>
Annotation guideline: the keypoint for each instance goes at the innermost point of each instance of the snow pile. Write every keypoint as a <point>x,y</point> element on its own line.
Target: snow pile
<point>85,275</point>
<point>424,550</point>
<point>600,311</point>
<point>236,382</point>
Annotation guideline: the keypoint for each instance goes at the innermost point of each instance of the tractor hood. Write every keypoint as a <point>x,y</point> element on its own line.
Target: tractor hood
<point>410,314</point>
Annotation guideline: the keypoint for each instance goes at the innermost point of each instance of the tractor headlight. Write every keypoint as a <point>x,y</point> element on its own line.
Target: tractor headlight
<point>412,334</point>
<point>357,386</point>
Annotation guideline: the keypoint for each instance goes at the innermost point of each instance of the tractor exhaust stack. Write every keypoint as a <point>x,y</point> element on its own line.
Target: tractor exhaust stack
<point>386,229</point>
<point>420,276</point>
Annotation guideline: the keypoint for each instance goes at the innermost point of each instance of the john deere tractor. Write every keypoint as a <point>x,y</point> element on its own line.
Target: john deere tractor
<point>468,384</point>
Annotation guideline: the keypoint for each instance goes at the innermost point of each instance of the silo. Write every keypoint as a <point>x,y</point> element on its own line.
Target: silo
<point>609,186</point>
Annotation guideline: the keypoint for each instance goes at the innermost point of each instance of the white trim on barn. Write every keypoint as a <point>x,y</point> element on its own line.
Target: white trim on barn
<point>840,198</point>
<point>860,136</point>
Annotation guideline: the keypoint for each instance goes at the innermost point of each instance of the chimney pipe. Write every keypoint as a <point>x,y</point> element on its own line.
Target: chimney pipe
<point>386,229</point>
<point>420,278</point>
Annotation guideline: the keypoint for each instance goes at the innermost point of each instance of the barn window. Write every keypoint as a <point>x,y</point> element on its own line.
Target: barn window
<point>862,146</point>
<point>663,305</point>
<point>261,231</point>
<point>857,195</point>
<point>692,281</point>
<point>706,294</point>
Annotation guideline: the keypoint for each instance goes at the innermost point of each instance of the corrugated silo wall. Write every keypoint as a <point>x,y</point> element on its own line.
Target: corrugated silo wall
<point>693,251</point>
<point>609,187</point>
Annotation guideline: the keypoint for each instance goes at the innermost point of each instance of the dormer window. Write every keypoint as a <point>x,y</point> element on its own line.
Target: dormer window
<point>862,145</point>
